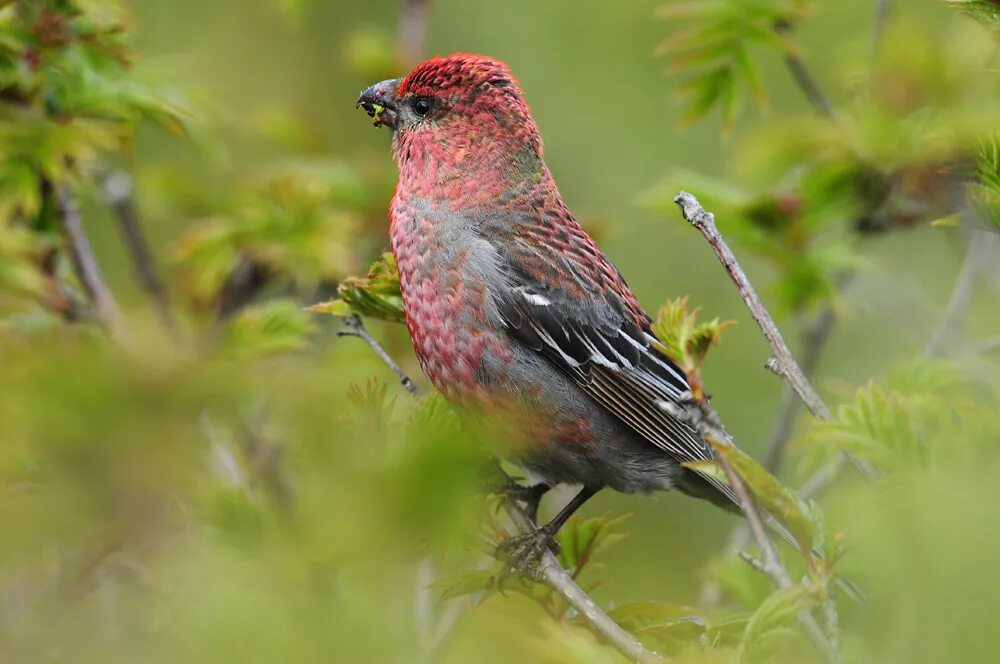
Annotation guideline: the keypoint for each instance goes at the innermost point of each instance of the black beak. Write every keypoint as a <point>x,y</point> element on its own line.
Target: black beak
<point>379,102</point>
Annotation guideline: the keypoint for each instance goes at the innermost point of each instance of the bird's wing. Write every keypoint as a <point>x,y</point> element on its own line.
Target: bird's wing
<point>574,307</point>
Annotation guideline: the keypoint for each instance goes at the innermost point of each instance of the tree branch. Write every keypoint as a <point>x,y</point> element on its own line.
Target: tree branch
<point>549,570</point>
<point>118,195</point>
<point>814,339</point>
<point>706,421</point>
<point>781,362</point>
<point>357,329</point>
<point>980,253</point>
<point>987,346</point>
<point>803,77</point>
<point>88,271</point>
<point>412,33</point>
<point>560,581</point>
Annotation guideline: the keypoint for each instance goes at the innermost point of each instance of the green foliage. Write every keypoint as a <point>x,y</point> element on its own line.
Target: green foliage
<point>667,628</point>
<point>712,50</point>
<point>985,190</point>
<point>985,11</point>
<point>376,295</point>
<point>67,102</point>
<point>266,329</point>
<point>683,338</point>
<point>778,500</point>
<point>17,271</point>
<point>908,420</point>
<point>297,226</point>
<point>767,629</point>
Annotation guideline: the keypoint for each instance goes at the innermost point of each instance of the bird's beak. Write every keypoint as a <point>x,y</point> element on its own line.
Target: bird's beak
<point>379,102</point>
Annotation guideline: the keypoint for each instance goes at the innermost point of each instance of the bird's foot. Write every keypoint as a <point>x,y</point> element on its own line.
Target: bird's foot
<point>522,554</point>
<point>499,483</point>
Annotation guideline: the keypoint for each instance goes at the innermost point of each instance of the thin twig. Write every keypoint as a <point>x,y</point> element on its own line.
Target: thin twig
<point>982,246</point>
<point>814,339</point>
<point>987,346</point>
<point>782,362</point>
<point>412,34</point>
<point>549,570</point>
<point>882,10</point>
<point>706,422</point>
<point>357,329</point>
<point>819,480</point>
<point>803,77</point>
<point>88,271</point>
<point>771,563</point>
<point>118,195</point>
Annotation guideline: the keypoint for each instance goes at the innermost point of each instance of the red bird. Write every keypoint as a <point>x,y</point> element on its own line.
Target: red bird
<point>509,302</point>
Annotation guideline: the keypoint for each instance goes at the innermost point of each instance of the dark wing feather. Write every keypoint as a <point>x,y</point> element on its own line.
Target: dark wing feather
<point>598,341</point>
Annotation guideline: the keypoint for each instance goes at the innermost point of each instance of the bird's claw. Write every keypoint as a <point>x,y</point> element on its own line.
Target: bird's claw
<point>522,555</point>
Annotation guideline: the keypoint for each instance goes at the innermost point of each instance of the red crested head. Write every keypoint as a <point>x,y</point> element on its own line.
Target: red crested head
<point>460,75</point>
<point>462,111</point>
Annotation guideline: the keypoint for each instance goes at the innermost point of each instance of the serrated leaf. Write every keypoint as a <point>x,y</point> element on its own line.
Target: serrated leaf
<point>711,51</point>
<point>376,295</point>
<point>768,621</point>
<point>984,11</point>
<point>580,539</point>
<point>778,500</point>
<point>266,329</point>
<point>664,626</point>
<point>464,583</point>
<point>683,338</point>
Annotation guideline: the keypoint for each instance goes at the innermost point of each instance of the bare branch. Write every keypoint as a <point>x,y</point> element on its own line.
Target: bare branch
<point>782,362</point>
<point>814,339</point>
<point>357,329</point>
<point>980,253</point>
<point>413,30</point>
<point>803,77</point>
<point>118,195</point>
<point>88,271</point>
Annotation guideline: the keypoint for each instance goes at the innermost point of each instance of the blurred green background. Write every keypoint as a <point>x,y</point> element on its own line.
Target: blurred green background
<point>121,543</point>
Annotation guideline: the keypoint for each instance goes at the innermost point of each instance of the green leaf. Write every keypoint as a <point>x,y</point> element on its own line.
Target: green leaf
<point>266,329</point>
<point>377,295</point>
<point>711,51</point>
<point>661,625</point>
<point>778,500</point>
<point>984,11</point>
<point>767,623</point>
<point>682,338</point>
<point>465,583</point>
<point>985,191</point>
<point>580,539</point>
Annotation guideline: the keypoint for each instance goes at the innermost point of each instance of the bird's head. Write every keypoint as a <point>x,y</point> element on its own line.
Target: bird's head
<point>460,101</point>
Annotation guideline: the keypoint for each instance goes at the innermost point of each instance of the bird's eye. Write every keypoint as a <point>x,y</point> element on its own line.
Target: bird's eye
<point>422,106</point>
